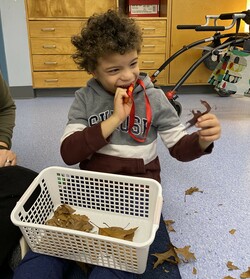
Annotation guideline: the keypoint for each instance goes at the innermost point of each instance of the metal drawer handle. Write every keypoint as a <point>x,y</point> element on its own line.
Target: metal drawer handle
<point>50,63</point>
<point>51,80</point>
<point>49,46</point>
<point>148,28</point>
<point>49,29</point>
<point>148,46</point>
<point>148,62</point>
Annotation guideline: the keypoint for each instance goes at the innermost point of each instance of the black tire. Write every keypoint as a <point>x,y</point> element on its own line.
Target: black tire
<point>223,93</point>
<point>209,62</point>
<point>177,106</point>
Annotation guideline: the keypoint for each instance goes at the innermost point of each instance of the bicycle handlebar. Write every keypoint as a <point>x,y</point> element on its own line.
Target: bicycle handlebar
<point>210,28</point>
<point>206,27</point>
<point>227,16</point>
<point>187,26</point>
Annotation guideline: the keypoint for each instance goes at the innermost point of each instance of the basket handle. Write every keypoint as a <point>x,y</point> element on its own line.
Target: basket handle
<point>30,195</point>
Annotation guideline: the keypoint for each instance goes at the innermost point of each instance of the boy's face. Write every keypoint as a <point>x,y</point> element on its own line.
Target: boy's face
<point>116,70</point>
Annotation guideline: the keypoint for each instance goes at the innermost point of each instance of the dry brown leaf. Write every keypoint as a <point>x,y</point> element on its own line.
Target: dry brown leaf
<point>168,256</point>
<point>198,113</point>
<point>65,209</point>
<point>228,277</point>
<point>194,271</point>
<point>232,231</point>
<point>192,190</point>
<point>231,266</point>
<point>169,224</point>
<point>186,254</point>
<point>64,218</point>
<point>118,232</point>
<point>172,255</point>
<point>245,274</point>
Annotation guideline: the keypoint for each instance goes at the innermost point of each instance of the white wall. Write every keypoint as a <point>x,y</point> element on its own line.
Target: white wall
<point>15,39</point>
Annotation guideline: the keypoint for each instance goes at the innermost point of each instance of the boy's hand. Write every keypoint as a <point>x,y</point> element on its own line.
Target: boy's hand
<point>122,108</point>
<point>122,104</point>
<point>209,129</point>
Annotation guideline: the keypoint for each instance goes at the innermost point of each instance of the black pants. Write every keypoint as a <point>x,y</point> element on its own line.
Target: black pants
<point>14,180</point>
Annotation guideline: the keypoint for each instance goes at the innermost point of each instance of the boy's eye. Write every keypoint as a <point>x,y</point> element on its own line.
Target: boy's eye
<point>134,64</point>
<point>112,71</point>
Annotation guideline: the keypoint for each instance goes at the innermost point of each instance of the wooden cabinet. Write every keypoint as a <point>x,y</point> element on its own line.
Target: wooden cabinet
<point>193,12</point>
<point>51,25</point>
<point>153,52</point>
<point>51,51</point>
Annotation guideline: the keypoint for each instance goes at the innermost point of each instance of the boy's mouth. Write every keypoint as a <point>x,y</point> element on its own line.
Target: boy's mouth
<point>125,86</point>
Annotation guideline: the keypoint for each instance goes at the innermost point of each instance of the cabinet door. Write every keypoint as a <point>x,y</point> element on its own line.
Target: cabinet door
<point>67,8</point>
<point>193,12</point>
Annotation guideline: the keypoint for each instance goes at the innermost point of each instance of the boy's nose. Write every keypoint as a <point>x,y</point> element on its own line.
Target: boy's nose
<point>127,75</point>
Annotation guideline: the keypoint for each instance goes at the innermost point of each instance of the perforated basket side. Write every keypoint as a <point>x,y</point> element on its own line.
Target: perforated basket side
<point>107,192</point>
<point>33,209</point>
<point>93,250</point>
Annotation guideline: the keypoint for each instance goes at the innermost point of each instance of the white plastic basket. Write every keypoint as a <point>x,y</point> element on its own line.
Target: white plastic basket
<point>114,199</point>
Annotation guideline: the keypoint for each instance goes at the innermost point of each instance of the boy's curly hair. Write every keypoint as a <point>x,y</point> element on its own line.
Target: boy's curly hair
<point>106,33</point>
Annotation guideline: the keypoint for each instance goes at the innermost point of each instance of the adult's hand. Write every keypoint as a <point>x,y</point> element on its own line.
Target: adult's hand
<point>7,158</point>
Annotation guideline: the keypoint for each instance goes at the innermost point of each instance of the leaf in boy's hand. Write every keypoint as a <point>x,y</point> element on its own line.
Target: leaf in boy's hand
<point>118,232</point>
<point>197,114</point>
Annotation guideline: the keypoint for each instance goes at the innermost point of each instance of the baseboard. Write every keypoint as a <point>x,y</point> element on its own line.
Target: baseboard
<point>22,92</point>
<point>55,92</point>
<point>69,92</point>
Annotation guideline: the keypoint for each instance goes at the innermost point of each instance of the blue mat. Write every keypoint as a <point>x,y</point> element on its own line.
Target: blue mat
<point>160,245</point>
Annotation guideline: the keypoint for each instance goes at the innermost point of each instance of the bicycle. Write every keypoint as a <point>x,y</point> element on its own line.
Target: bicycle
<point>218,43</point>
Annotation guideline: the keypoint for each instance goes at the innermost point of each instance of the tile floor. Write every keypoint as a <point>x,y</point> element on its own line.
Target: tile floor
<point>203,220</point>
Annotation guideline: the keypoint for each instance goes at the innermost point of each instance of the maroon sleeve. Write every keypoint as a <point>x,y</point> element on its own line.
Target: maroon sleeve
<point>188,148</point>
<point>81,144</point>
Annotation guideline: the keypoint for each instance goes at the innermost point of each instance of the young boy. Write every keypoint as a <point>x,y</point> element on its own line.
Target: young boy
<point>99,134</point>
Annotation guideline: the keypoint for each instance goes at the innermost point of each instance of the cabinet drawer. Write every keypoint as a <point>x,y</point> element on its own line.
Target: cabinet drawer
<point>55,29</point>
<point>153,27</point>
<point>153,45</point>
<point>53,63</point>
<point>51,46</point>
<point>60,79</point>
<point>151,61</point>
